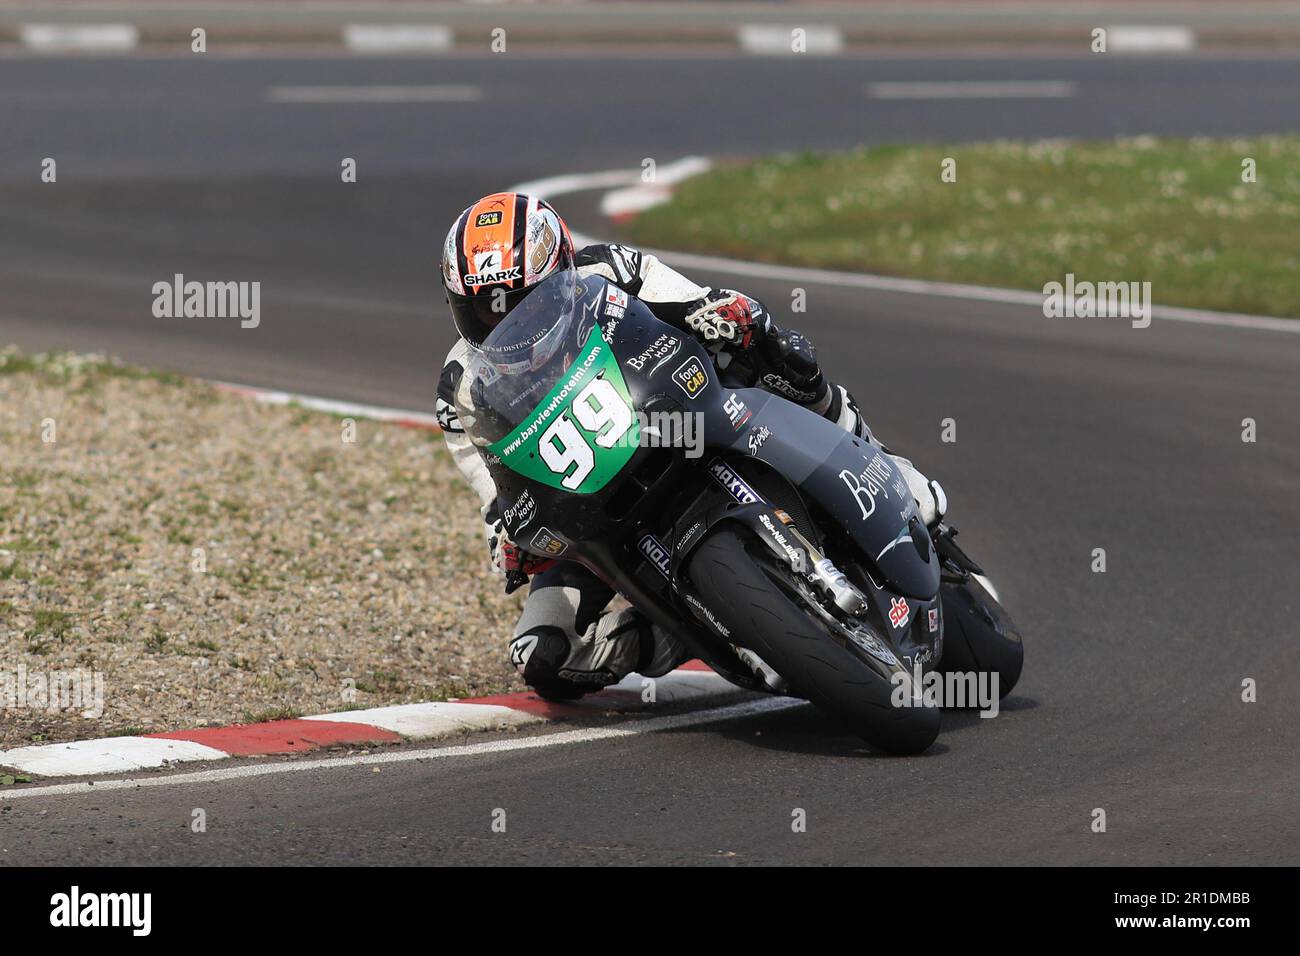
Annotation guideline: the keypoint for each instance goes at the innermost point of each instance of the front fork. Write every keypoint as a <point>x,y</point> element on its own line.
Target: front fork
<point>775,528</point>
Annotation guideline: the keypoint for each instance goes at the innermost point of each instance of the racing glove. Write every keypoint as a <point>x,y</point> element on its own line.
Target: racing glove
<point>782,361</point>
<point>789,367</point>
<point>724,319</point>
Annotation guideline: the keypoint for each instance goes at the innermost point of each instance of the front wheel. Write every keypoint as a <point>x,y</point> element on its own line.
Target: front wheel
<point>759,602</point>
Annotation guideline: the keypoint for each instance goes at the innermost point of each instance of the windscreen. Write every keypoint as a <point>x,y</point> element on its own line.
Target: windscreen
<point>521,359</point>
<point>546,395</point>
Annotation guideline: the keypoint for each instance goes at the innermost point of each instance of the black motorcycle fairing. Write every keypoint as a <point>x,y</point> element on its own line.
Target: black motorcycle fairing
<point>913,625</point>
<point>856,484</point>
<point>856,487</point>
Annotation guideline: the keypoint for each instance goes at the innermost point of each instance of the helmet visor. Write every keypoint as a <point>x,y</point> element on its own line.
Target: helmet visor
<point>477,315</point>
<point>527,337</point>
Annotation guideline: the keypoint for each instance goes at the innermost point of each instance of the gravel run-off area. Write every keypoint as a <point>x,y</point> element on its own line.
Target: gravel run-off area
<point>206,559</point>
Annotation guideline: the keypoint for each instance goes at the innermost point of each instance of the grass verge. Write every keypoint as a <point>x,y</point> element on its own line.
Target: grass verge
<point>1174,212</point>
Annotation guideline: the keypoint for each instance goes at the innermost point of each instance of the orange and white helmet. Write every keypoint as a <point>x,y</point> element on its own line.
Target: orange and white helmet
<point>495,254</point>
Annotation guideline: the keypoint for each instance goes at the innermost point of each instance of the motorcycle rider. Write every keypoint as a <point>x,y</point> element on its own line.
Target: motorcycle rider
<point>566,642</point>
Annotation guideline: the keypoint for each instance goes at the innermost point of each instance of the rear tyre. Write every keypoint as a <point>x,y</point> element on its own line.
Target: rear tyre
<point>979,635</point>
<point>748,593</point>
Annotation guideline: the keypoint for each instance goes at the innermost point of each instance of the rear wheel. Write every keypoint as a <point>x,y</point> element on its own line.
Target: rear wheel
<point>759,601</point>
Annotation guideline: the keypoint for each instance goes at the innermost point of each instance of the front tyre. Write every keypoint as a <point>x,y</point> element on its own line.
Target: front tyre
<point>756,599</point>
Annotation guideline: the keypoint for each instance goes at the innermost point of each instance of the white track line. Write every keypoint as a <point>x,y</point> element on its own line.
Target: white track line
<point>630,728</point>
<point>444,93</point>
<point>1138,39</point>
<point>954,290</point>
<point>76,37</point>
<point>973,90</point>
<point>577,183</point>
<point>645,195</point>
<point>779,40</point>
<point>397,38</point>
<point>331,406</point>
<point>581,182</point>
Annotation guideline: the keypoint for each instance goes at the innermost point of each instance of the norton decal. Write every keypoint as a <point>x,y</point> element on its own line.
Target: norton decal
<point>655,553</point>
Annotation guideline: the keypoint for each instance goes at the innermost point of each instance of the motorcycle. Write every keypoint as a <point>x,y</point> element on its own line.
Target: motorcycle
<point>784,552</point>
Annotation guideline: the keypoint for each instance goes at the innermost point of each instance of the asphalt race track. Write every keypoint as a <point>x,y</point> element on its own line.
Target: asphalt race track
<point>1071,435</point>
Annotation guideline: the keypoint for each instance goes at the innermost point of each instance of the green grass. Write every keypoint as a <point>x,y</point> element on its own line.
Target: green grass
<point>49,625</point>
<point>20,544</point>
<point>1172,212</point>
<point>63,367</point>
<point>14,570</point>
<point>157,640</point>
<point>271,713</point>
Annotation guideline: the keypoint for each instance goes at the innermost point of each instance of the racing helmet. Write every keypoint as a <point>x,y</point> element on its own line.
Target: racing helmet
<point>496,253</point>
